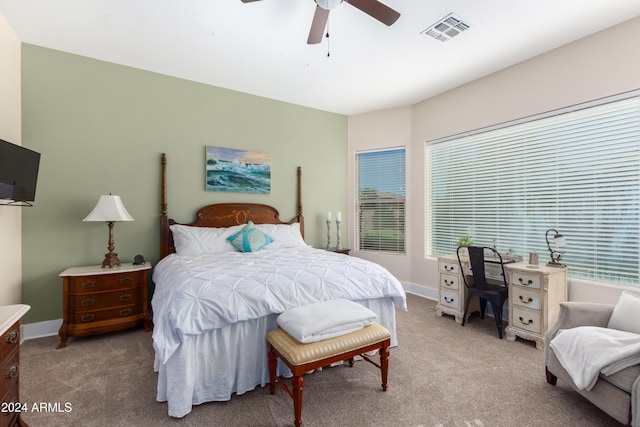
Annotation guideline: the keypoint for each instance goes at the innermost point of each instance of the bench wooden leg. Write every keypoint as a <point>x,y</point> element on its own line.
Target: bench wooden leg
<point>273,364</point>
<point>298,387</point>
<point>384,363</point>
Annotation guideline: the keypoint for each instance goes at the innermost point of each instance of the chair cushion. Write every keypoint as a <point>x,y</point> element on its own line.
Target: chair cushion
<point>297,353</point>
<point>623,379</point>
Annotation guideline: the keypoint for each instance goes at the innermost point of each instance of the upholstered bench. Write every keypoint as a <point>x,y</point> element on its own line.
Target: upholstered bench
<point>301,358</point>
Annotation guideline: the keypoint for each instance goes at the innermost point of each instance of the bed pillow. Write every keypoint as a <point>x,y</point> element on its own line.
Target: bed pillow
<point>190,240</point>
<point>250,238</point>
<point>626,313</point>
<point>283,235</point>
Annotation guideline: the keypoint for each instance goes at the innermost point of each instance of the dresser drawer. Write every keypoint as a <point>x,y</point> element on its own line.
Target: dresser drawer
<point>88,317</point>
<point>449,267</point>
<point>9,340</point>
<point>9,374</point>
<point>450,299</point>
<point>530,298</point>
<point>9,418</point>
<point>527,319</point>
<point>94,301</point>
<point>449,281</point>
<point>105,282</point>
<point>528,280</point>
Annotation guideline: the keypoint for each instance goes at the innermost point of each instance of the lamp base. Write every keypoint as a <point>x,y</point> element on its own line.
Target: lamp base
<point>111,260</point>
<point>555,264</point>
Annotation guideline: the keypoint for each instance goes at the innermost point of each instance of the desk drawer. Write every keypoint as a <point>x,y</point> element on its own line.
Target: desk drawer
<point>450,299</point>
<point>526,319</point>
<point>524,297</point>
<point>528,280</point>
<point>449,267</point>
<point>450,282</point>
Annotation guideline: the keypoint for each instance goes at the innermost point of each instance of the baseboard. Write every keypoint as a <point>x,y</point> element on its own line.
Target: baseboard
<point>421,291</point>
<point>50,328</point>
<point>47,328</point>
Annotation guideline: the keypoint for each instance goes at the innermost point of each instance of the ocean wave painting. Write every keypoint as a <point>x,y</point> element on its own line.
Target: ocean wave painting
<point>238,171</point>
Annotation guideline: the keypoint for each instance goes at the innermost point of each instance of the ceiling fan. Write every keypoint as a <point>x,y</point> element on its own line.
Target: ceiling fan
<point>373,8</point>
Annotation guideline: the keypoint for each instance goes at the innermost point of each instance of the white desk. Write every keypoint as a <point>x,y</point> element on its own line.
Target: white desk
<point>534,296</point>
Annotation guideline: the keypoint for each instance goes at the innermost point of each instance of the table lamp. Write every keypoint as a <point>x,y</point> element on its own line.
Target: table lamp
<point>558,240</point>
<point>109,209</point>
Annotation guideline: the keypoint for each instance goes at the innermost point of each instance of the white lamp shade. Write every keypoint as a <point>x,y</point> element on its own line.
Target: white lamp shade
<point>109,208</point>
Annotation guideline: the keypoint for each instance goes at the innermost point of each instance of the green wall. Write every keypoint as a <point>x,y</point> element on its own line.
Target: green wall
<point>101,129</point>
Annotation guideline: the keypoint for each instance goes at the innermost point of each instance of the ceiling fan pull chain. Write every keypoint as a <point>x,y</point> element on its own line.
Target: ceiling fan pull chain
<point>327,36</point>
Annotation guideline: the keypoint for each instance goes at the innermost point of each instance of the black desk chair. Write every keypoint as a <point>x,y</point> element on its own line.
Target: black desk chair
<point>494,291</point>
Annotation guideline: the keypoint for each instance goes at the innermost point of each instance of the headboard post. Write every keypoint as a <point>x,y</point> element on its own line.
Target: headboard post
<point>164,219</point>
<point>299,213</point>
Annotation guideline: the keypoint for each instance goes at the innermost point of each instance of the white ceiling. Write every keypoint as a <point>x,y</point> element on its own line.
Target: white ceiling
<point>260,48</point>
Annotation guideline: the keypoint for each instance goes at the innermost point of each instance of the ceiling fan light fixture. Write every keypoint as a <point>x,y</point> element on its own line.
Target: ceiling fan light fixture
<point>328,4</point>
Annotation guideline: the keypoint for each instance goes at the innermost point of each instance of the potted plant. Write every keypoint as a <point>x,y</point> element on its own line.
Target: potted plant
<point>465,240</point>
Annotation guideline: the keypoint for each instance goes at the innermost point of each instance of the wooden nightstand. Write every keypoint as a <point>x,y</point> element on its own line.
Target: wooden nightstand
<point>98,300</point>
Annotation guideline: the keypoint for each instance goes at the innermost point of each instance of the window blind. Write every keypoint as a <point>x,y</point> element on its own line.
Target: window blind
<point>575,171</point>
<point>380,201</point>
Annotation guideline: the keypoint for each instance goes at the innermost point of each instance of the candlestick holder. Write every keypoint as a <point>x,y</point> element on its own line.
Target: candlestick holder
<point>338,246</point>
<point>328,234</point>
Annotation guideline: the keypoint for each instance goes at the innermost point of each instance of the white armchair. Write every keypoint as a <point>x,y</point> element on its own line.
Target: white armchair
<point>619,394</point>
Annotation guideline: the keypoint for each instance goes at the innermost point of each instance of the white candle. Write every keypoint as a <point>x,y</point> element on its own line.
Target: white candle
<point>339,216</point>
<point>328,216</point>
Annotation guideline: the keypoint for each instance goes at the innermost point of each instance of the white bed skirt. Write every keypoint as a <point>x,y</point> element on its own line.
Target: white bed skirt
<point>212,366</point>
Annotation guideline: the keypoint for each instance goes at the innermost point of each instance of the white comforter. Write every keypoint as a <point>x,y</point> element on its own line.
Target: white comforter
<point>197,294</point>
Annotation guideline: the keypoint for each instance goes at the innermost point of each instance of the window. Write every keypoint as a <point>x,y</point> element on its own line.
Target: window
<point>380,200</point>
<point>575,170</point>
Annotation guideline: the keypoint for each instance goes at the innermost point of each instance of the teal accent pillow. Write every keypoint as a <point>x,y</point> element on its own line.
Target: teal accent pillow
<point>250,239</point>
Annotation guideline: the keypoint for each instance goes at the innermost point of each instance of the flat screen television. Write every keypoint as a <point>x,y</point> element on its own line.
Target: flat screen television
<point>18,172</point>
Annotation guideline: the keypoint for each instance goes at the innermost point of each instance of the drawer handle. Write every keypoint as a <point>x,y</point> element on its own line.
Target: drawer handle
<point>530,321</point>
<point>12,372</point>
<point>88,284</point>
<point>525,302</point>
<point>126,280</point>
<point>88,317</point>
<point>448,283</point>
<point>126,297</point>
<point>449,300</point>
<point>529,282</point>
<point>448,267</point>
<point>125,312</point>
<point>87,302</point>
<point>12,337</point>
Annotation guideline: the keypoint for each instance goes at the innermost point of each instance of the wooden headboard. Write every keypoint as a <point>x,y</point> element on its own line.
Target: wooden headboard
<point>223,214</point>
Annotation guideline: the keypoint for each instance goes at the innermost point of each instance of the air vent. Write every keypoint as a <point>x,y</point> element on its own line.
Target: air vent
<point>447,28</point>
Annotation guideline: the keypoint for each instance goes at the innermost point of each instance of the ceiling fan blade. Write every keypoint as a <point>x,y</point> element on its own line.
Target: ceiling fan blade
<point>318,25</point>
<point>377,10</point>
<point>248,1</point>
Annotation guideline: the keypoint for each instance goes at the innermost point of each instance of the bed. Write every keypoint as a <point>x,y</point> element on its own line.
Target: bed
<point>214,303</point>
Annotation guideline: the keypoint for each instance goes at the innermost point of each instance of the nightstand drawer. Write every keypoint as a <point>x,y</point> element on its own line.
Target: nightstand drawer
<point>9,340</point>
<point>89,302</point>
<point>524,297</point>
<point>526,319</point>
<point>105,282</point>
<point>99,315</point>
<point>448,281</point>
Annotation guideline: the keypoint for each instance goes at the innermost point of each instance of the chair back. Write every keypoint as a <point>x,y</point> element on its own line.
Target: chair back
<point>477,261</point>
